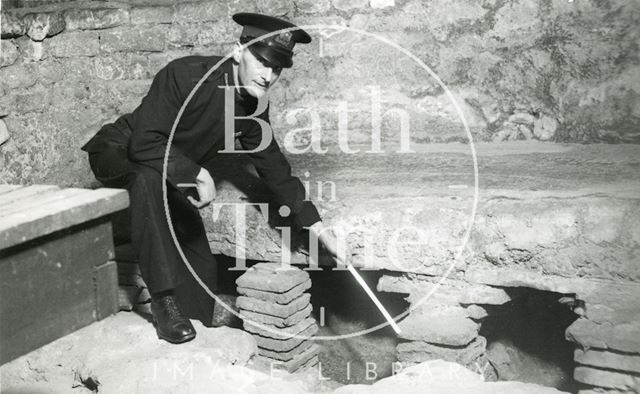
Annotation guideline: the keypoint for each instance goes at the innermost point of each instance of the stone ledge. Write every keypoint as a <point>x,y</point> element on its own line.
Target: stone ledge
<point>608,360</point>
<point>448,292</point>
<point>619,337</point>
<point>534,210</point>
<point>608,379</point>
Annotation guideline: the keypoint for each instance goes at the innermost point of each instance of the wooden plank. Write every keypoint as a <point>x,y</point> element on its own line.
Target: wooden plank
<point>19,227</point>
<point>106,279</point>
<point>48,290</point>
<point>24,193</point>
<point>43,198</point>
<point>6,188</point>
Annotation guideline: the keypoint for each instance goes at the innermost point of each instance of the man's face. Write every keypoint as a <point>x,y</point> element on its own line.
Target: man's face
<point>255,76</point>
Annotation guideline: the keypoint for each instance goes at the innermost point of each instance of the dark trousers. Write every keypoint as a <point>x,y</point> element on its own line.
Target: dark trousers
<point>145,225</point>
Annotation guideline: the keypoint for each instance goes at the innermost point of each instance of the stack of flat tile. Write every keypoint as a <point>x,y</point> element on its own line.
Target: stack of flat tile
<point>276,310</point>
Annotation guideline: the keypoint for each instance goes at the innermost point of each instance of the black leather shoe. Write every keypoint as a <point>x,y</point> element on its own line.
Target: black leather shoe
<point>170,323</point>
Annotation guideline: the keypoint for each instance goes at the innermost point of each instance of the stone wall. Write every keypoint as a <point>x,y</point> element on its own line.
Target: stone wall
<point>553,70</point>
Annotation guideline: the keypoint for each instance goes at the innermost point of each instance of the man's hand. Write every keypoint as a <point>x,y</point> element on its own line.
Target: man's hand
<point>339,251</point>
<point>206,189</point>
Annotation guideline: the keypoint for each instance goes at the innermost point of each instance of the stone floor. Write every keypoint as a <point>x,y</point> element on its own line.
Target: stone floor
<point>121,354</point>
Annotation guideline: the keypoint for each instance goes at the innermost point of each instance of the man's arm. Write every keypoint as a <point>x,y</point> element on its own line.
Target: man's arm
<point>153,121</point>
<point>273,167</point>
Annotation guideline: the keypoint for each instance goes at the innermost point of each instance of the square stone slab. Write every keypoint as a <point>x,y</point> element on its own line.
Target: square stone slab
<point>273,309</point>
<point>272,277</point>
<point>274,320</point>
<point>280,298</point>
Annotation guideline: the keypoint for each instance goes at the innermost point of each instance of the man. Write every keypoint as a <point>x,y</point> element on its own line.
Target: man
<point>129,153</point>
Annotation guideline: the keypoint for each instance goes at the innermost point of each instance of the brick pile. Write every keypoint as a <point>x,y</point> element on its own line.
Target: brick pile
<point>276,310</point>
<point>133,294</point>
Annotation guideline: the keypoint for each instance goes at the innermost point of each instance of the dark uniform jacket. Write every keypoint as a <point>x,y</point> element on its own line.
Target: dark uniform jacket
<point>200,133</point>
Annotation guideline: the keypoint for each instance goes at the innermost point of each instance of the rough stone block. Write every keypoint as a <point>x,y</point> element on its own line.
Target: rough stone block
<point>600,390</point>
<point>277,321</point>
<point>138,38</point>
<point>280,298</point>
<point>444,325</point>
<point>382,3</point>
<point>18,76</point>
<point>35,99</point>
<point>74,44</point>
<point>284,345</point>
<point>476,312</point>
<point>144,307</point>
<point>200,12</point>
<point>347,5</point>
<point>131,279</point>
<point>303,360</point>
<point>276,7</point>
<point>273,309</point>
<point>420,351</point>
<point>285,356</point>
<point>127,297</point>
<point>517,23</point>
<point>122,66</point>
<point>621,337</point>
<point>279,333</point>
<point>31,50</point>
<point>41,25</point>
<point>608,379</point>
<point>545,128</point>
<point>8,53</point>
<point>95,18</point>
<point>144,296</point>
<point>202,34</point>
<point>140,15</point>
<point>12,25</point>
<point>608,360</point>
<point>272,277</point>
<point>77,69</point>
<point>313,7</point>
<point>125,268</point>
<point>450,291</point>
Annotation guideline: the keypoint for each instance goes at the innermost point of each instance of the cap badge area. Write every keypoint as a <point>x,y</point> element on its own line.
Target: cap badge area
<point>284,38</point>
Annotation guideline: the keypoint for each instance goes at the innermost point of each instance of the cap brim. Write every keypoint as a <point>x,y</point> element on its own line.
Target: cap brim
<point>270,55</point>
